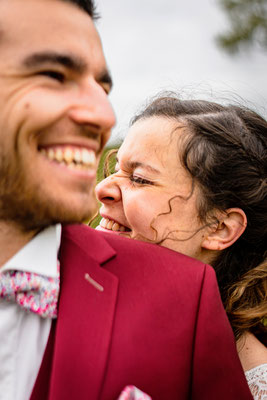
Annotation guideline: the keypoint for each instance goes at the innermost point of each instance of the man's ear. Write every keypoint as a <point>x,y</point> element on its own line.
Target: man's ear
<point>232,224</point>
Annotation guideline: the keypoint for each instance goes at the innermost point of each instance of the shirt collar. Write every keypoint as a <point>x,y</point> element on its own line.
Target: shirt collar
<point>40,255</point>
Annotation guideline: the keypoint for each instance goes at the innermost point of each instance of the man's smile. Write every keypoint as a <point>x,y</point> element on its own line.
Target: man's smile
<point>73,157</point>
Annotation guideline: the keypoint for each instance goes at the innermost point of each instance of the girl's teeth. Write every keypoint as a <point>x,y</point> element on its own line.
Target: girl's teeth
<point>115,226</point>
<point>111,225</point>
<point>104,222</point>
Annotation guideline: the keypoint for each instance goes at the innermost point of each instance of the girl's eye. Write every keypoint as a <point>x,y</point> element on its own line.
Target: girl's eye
<point>58,76</point>
<point>139,180</point>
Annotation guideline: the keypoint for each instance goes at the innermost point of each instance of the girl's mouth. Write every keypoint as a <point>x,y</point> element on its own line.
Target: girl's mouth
<point>111,225</point>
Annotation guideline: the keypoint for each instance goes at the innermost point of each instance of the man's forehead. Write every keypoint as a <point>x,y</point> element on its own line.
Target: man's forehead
<point>31,25</point>
<point>42,12</point>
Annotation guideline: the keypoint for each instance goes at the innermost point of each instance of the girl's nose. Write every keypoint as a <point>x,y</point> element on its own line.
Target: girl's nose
<point>108,190</point>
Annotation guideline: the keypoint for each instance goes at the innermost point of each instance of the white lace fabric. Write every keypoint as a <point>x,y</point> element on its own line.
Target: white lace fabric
<point>257,381</point>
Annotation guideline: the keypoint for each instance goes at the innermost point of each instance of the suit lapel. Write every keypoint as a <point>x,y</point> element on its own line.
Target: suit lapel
<point>85,317</point>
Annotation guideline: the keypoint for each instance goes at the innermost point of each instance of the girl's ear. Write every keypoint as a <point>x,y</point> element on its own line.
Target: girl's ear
<point>232,224</point>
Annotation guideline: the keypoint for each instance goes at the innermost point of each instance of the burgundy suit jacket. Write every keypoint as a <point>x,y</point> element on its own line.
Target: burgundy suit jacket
<point>158,324</point>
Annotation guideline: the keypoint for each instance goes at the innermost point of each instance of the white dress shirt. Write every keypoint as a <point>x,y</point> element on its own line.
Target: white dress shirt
<point>23,334</point>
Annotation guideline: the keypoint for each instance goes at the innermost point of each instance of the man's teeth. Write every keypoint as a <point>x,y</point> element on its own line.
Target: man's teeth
<point>79,158</point>
<point>112,225</point>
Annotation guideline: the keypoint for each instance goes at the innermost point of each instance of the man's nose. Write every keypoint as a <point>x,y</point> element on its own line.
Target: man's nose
<point>91,106</point>
<point>108,191</point>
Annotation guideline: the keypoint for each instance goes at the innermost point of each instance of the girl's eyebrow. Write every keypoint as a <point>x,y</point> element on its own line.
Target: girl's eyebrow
<point>138,164</point>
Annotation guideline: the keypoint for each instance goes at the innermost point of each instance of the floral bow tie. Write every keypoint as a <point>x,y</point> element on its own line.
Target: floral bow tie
<point>33,292</point>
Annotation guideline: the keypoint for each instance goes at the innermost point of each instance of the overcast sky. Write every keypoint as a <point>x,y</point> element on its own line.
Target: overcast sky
<point>152,45</point>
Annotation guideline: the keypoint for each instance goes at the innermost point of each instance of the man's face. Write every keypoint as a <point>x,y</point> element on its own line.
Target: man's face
<point>55,115</point>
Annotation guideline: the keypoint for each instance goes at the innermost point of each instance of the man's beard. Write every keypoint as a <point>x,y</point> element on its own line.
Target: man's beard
<point>25,204</point>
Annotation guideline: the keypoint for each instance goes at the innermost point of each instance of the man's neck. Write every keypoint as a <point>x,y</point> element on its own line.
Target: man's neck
<point>12,239</point>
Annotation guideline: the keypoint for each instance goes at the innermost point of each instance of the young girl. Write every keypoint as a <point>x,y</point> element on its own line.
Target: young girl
<point>191,176</point>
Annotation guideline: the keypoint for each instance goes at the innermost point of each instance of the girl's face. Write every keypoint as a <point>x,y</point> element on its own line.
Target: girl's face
<point>150,196</point>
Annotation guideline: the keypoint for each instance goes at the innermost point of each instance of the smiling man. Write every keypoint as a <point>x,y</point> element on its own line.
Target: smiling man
<point>55,114</point>
<point>83,314</point>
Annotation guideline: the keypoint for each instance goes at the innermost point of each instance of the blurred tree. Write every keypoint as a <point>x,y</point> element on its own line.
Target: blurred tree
<point>105,168</point>
<point>248,25</point>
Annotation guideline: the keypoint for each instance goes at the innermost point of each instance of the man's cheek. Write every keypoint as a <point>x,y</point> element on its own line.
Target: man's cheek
<point>40,111</point>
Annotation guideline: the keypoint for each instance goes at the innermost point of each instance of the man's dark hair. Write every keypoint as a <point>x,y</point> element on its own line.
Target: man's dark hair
<point>87,5</point>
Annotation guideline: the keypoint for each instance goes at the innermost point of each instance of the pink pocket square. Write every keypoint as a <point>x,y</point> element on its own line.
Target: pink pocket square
<point>132,393</point>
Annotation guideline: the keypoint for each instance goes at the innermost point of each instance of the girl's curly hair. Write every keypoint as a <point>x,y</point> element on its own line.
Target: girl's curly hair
<point>225,151</point>
<point>246,303</point>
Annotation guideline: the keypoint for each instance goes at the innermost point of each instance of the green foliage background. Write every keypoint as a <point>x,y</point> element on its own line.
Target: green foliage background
<point>248,25</point>
<point>100,176</point>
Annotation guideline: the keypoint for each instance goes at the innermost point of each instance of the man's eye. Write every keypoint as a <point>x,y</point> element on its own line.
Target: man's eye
<point>58,76</point>
<point>139,180</point>
<point>106,88</point>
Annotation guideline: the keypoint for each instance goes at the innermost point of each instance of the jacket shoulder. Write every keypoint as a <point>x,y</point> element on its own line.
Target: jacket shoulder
<point>137,255</point>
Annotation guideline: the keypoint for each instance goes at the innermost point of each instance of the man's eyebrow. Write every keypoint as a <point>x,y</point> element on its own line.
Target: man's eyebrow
<point>69,61</point>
